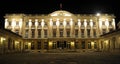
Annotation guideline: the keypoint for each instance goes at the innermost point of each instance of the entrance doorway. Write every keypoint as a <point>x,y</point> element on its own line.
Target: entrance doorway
<point>62,45</point>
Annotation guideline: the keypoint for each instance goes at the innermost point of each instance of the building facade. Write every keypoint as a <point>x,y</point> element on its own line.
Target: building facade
<point>60,30</point>
<point>10,42</point>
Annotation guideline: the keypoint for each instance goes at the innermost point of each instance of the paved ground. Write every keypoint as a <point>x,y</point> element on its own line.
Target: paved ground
<point>61,58</point>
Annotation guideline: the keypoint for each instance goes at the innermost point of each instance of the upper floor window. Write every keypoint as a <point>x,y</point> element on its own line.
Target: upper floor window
<point>27,23</point>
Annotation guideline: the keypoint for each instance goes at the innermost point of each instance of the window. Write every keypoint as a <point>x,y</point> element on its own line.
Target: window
<point>33,23</point>
<point>89,45</point>
<point>54,32</point>
<point>33,33</point>
<point>94,32</point>
<point>61,23</point>
<point>103,23</point>
<point>9,23</point>
<point>17,31</point>
<point>88,23</point>
<point>27,24</point>
<point>94,23</point>
<point>39,45</point>
<point>110,23</point>
<point>104,31</point>
<point>26,46</point>
<point>111,29</point>
<point>76,32</point>
<point>82,23</point>
<point>82,33</point>
<point>45,33</point>
<point>17,23</point>
<point>83,44</point>
<point>95,45</point>
<point>88,32</point>
<point>76,45</point>
<point>45,45</point>
<point>32,46</point>
<point>26,33</point>
<point>54,23</point>
<point>68,32</point>
<point>61,32</point>
<point>68,23</point>
<point>39,33</point>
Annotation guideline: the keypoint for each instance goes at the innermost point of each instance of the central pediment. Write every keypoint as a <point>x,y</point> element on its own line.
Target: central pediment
<point>61,13</point>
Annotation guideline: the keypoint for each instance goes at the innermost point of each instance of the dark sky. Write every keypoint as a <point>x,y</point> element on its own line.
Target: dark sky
<point>49,6</point>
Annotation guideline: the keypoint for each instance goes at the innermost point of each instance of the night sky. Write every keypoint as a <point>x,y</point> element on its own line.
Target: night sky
<point>49,6</point>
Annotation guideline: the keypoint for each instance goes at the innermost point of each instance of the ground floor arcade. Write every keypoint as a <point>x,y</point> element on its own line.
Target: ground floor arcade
<point>58,44</point>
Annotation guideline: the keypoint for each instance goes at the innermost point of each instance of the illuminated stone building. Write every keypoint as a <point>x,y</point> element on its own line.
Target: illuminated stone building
<point>10,42</point>
<point>60,30</point>
<point>111,41</point>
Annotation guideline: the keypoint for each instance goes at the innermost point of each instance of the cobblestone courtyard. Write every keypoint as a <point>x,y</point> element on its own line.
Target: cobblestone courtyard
<point>61,58</point>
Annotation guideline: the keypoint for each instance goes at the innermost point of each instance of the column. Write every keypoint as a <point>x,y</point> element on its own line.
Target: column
<point>36,30</point>
<point>91,30</point>
<point>42,31</point>
<point>20,25</point>
<point>29,31</point>
<point>85,30</point>
<point>57,31</point>
<point>100,26</point>
<point>6,23</point>
<point>64,31</point>
<point>113,23</point>
<point>50,31</point>
<point>71,27</point>
<point>107,25</point>
<point>79,29</point>
<point>13,25</point>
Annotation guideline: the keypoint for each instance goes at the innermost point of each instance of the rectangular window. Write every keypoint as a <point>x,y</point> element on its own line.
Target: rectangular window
<point>45,45</point>
<point>82,23</point>
<point>82,33</point>
<point>32,46</point>
<point>104,31</point>
<point>33,33</point>
<point>54,32</point>
<point>17,23</point>
<point>94,32</point>
<point>103,23</point>
<point>17,31</point>
<point>39,33</point>
<point>88,32</point>
<point>26,46</point>
<point>45,33</point>
<point>27,24</point>
<point>83,44</point>
<point>68,32</point>
<point>76,33</point>
<point>61,32</point>
<point>39,45</point>
<point>68,23</point>
<point>89,45</point>
<point>54,23</point>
